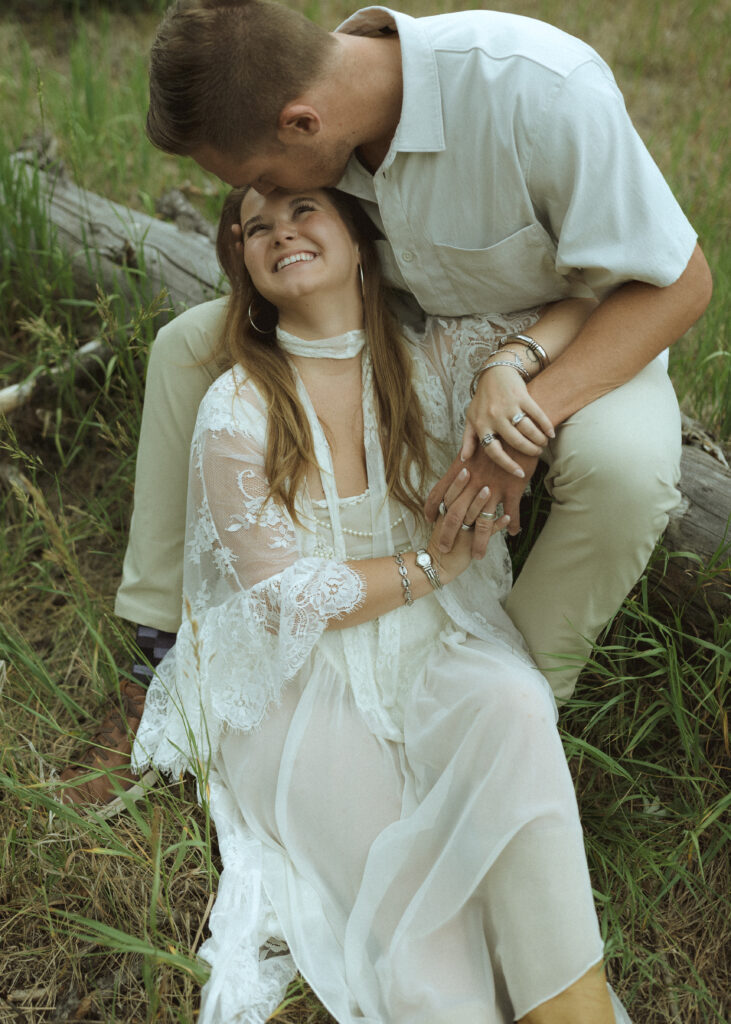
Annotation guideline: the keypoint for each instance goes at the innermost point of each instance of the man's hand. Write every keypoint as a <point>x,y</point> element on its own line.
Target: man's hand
<point>505,488</point>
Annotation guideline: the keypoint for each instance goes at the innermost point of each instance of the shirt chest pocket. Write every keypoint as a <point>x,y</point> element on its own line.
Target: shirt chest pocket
<point>513,274</point>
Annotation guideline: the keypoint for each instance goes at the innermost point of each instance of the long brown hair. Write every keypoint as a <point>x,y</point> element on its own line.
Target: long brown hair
<point>290,447</point>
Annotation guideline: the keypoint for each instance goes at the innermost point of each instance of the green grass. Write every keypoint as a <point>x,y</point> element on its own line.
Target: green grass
<point>102,921</point>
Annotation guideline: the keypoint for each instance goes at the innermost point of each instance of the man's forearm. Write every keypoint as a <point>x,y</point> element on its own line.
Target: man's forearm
<point>621,336</point>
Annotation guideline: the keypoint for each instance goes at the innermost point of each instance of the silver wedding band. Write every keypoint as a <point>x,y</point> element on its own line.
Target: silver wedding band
<point>465,526</point>
<point>488,515</point>
<point>518,417</point>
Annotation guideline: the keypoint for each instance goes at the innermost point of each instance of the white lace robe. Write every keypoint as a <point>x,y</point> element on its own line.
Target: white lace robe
<point>259,591</point>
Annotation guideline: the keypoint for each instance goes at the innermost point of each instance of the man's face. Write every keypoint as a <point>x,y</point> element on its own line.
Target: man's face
<point>303,165</point>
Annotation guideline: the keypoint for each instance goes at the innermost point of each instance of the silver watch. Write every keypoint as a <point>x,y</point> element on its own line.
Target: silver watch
<point>424,561</point>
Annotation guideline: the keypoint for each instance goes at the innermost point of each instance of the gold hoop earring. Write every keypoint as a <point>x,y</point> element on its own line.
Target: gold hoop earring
<point>251,321</point>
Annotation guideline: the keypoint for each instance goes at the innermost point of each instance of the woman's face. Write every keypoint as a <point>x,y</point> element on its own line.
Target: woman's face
<point>296,246</point>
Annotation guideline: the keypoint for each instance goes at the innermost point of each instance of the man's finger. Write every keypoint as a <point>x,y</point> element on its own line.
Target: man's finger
<point>440,488</point>
<point>512,509</point>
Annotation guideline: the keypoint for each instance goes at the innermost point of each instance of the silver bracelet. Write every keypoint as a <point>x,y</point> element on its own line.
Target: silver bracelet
<point>531,343</point>
<point>404,574</point>
<point>498,362</point>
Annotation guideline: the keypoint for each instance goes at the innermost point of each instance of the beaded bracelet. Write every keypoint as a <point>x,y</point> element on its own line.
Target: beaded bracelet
<point>530,343</point>
<point>517,365</point>
<point>404,573</point>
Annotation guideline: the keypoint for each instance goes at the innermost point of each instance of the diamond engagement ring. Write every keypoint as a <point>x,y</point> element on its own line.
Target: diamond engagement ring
<point>442,509</point>
<point>518,417</point>
<point>466,526</point>
<point>487,440</point>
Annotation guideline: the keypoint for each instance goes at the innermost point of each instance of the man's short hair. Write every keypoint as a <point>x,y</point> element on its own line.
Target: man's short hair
<point>221,72</point>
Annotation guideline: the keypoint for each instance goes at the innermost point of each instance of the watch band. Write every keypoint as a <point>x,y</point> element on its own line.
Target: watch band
<point>425,563</point>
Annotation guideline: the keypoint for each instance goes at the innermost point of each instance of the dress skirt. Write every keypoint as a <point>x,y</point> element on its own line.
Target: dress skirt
<point>438,880</point>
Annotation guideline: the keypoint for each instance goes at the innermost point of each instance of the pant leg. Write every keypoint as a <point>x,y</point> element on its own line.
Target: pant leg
<point>613,473</point>
<point>152,576</point>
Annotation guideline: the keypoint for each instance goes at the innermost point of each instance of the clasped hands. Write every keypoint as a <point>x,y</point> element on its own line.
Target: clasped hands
<point>505,432</point>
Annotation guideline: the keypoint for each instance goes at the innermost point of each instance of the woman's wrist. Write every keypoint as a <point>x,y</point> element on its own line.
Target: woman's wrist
<point>525,358</point>
<point>414,580</point>
<point>534,353</point>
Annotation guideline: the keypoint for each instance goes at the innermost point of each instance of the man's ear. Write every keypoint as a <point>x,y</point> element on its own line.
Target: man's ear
<point>298,119</point>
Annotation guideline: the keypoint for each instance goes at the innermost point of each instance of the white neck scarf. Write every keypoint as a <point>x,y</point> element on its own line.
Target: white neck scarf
<point>343,346</point>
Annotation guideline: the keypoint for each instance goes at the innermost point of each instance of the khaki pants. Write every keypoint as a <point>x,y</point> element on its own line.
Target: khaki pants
<point>613,471</point>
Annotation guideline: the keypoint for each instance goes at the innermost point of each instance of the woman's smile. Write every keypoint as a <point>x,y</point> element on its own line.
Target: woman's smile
<point>297,257</point>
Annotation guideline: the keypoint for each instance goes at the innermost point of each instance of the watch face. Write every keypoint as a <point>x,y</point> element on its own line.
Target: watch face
<point>423,559</point>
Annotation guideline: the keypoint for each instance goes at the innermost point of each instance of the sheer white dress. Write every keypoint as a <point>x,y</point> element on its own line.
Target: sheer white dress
<point>391,799</point>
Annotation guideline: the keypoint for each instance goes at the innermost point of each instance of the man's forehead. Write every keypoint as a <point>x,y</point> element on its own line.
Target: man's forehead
<point>224,166</point>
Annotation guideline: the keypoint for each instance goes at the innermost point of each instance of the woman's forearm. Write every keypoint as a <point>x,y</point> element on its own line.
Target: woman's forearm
<point>384,588</point>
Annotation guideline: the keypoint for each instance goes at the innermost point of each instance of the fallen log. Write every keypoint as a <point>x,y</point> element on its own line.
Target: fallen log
<point>695,575</point>
<point>123,250</point>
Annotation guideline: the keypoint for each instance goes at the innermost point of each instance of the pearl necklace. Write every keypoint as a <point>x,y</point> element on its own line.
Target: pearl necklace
<point>343,346</point>
<point>367,534</point>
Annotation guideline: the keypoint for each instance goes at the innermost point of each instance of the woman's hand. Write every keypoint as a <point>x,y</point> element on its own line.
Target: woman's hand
<point>462,509</point>
<point>504,410</point>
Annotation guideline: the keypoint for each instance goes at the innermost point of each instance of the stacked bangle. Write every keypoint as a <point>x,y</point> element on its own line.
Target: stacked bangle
<point>404,574</point>
<point>516,365</point>
<point>530,343</point>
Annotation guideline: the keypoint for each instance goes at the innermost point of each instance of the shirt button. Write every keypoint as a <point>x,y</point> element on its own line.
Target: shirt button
<point>407,256</point>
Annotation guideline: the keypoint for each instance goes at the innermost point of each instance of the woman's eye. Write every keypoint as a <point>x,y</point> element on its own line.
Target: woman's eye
<point>304,208</point>
<point>254,228</point>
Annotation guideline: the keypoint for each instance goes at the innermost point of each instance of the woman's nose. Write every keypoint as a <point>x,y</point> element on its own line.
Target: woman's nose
<point>284,230</point>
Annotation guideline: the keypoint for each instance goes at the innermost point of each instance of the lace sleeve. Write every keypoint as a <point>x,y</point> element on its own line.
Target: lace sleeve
<point>253,606</point>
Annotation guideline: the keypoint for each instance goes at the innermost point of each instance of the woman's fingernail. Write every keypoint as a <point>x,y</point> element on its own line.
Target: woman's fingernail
<point>507,519</point>
<point>462,474</point>
<point>484,492</point>
<point>520,473</point>
<point>551,433</point>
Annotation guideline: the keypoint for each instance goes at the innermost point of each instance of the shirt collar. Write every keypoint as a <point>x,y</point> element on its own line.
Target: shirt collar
<point>420,128</point>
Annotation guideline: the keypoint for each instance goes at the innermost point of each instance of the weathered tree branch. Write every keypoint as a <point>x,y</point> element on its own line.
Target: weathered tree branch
<point>91,356</point>
<point>123,250</point>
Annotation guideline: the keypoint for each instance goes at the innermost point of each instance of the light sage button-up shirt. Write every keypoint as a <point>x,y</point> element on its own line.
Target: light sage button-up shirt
<point>515,176</point>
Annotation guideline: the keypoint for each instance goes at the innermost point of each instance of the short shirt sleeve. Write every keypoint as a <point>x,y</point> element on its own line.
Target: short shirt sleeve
<point>600,191</point>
